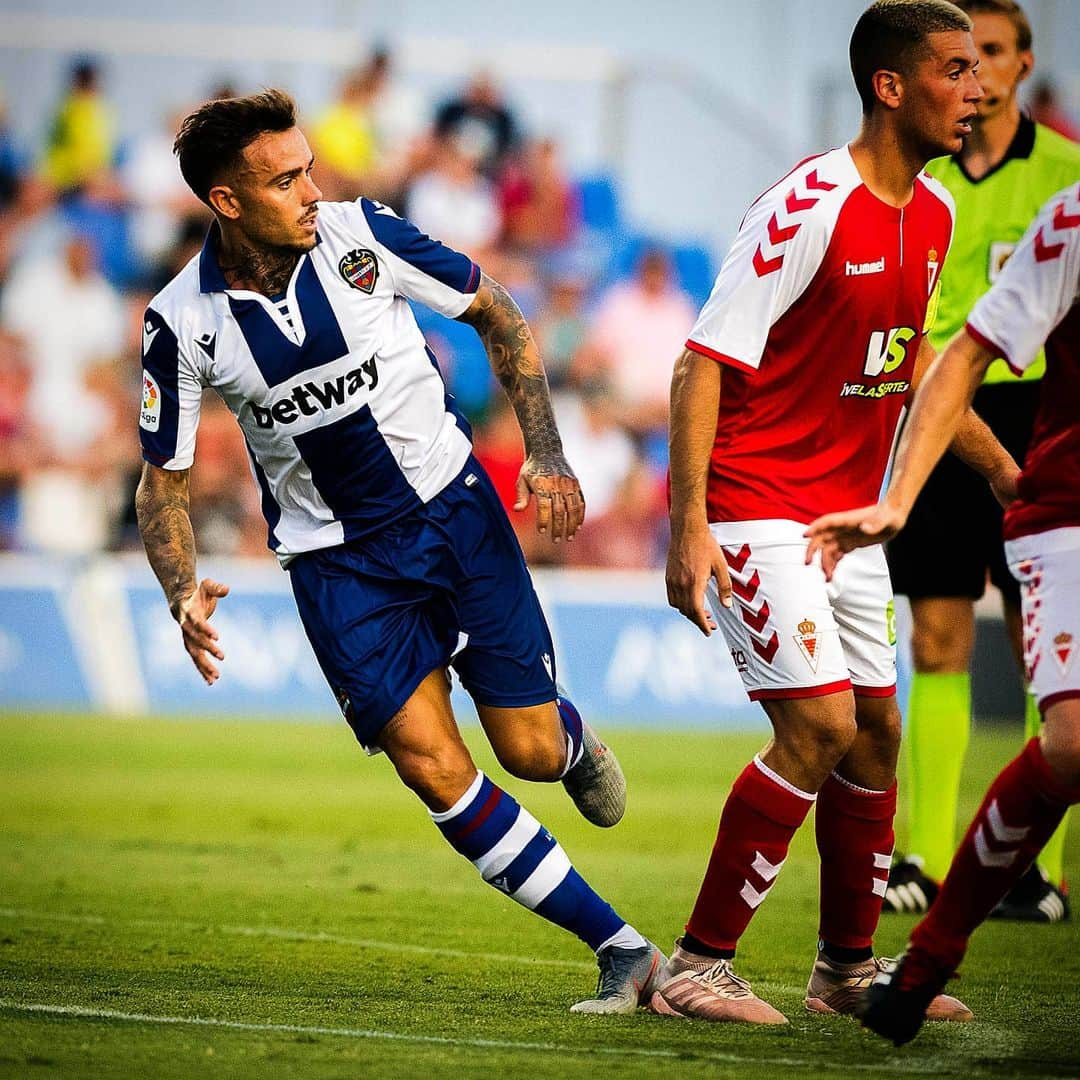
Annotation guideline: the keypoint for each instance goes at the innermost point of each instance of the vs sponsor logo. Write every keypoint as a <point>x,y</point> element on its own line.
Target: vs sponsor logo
<point>886,351</point>
<point>309,398</point>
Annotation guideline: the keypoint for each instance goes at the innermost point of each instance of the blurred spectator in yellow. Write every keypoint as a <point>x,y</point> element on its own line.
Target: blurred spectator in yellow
<point>82,136</point>
<point>1047,110</point>
<point>481,121</point>
<point>638,329</point>
<point>454,201</point>
<point>343,138</point>
<point>540,208</point>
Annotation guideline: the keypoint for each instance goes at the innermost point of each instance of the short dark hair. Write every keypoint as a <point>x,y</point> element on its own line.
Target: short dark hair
<point>891,35</point>
<point>1010,9</point>
<point>212,139</point>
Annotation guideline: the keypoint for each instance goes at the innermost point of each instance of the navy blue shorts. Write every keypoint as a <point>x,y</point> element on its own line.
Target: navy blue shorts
<point>382,613</point>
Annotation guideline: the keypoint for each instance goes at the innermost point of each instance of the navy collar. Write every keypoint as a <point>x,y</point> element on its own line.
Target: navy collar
<point>211,279</point>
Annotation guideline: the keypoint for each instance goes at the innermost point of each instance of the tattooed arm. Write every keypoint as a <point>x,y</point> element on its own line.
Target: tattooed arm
<point>161,504</point>
<point>515,359</point>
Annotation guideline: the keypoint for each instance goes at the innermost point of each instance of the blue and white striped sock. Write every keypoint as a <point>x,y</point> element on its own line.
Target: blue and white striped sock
<point>518,856</point>
<point>575,732</point>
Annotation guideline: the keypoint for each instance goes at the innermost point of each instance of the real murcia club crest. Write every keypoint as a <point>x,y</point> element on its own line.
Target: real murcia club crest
<point>932,265</point>
<point>360,269</point>
<point>809,642</point>
<point>1063,650</point>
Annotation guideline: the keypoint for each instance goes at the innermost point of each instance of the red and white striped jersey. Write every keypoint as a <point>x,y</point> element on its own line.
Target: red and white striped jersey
<point>1035,300</point>
<point>817,315</point>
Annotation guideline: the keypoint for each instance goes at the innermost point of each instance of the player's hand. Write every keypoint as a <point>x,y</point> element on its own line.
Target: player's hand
<point>200,638</point>
<point>694,556</point>
<point>834,535</point>
<point>560,505</point>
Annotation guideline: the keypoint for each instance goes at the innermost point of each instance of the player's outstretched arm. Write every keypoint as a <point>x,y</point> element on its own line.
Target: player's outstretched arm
<point>161,505</point>
<point>515,359</point>
<point>694,556</point>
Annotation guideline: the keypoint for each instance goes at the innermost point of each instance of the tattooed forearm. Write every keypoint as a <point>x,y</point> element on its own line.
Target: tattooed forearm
<point>161,505</point>
<point>516,362</point>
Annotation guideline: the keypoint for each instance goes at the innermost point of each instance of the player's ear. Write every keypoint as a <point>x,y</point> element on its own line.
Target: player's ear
<point>223,200</point>
<point>1027,64</point>
<point>888,88</point>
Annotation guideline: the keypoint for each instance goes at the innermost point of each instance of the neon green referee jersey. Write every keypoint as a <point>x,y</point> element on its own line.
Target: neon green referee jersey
<point>991,216</point>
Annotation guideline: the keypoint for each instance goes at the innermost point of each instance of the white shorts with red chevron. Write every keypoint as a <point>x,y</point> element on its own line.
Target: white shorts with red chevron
<point>1047,565</point>
<point>791,633</point>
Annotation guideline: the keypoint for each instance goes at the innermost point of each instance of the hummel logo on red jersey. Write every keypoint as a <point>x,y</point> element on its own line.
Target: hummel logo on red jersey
<point>860,269</point>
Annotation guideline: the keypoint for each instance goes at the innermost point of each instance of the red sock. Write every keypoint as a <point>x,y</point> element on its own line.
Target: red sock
<point>759,819</point>
<point>855,841</point>
<point>1018,815</point>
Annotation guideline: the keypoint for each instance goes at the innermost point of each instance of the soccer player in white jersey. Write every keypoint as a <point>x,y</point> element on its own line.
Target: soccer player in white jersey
<point>401,558</point>
<point>1035,300</point>
<point>786,402</point>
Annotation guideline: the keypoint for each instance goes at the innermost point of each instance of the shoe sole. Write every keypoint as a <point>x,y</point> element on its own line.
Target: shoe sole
<point>943,1009</point>
<point>766,1016</point>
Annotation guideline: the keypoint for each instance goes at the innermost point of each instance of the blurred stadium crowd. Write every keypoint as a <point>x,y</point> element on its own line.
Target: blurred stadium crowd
<point>94,221</point>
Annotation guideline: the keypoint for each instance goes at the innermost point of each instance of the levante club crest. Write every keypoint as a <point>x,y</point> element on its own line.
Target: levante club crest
<point>360,269</point>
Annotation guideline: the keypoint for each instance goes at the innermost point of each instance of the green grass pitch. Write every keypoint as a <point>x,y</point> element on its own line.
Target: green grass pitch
<point>223,899</point>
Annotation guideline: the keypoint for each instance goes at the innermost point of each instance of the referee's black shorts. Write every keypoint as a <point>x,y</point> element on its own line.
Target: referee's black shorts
<point>952,539</point>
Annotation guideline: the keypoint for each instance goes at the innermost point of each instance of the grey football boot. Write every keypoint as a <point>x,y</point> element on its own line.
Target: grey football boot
<point>628,978</point>
<point>596,783</point>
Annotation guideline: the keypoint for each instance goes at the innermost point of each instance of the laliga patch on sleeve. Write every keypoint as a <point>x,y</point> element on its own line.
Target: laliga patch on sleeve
<point>150,414</point>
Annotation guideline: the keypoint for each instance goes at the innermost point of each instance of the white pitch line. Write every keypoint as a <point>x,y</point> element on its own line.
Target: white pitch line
<point>84,1013</point>
<point>303,935</point>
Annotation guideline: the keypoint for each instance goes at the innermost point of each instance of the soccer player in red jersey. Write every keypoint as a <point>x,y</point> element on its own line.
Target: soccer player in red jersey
<point>785,403</point>
<point>1036,298</point>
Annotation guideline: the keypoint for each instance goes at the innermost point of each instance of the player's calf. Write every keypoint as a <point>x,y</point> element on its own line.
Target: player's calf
<point>515,854</point>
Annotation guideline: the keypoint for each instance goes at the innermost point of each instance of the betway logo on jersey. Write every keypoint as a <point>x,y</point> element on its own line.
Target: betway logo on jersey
<point>885,352</point>
<point>861,269</point>
<point>309,398</point>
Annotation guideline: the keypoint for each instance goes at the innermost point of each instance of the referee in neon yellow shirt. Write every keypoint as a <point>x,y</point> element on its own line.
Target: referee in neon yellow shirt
<point>1008,168</point>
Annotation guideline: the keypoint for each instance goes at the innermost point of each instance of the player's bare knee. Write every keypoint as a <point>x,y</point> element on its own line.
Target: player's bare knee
<point>1060,742</point>
<point>819,743</point>
<point>533,758</point>
<point>879,720</point>
<point>940,646</point>
<point>437,778</point>
<point>833,739</point>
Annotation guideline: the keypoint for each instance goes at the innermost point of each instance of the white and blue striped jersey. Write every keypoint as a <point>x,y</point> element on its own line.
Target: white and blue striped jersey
<point>347,420</point>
